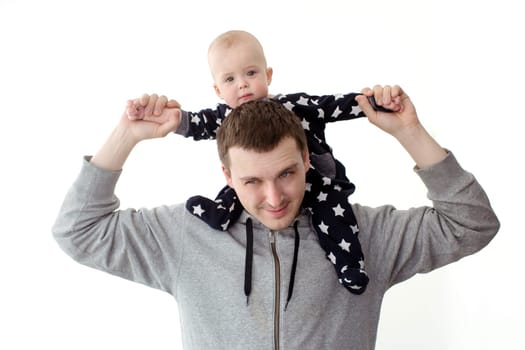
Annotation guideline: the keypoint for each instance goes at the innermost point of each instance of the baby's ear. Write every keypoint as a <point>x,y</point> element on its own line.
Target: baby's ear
<point>269,74</point>
<point>217,91</point>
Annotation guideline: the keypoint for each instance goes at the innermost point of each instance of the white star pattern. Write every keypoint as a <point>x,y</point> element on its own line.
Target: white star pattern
<point>354,228</point>
<point>302,101</point>
<point>331,256</point>
<point>288,105</point>
<point>308,187</point>
<point>338,96</point>
<point>326,181</point>
<point>320,113</point>
<point>344,268</point>
<point>322,197</point>
<point>337,188</point>
<point>197,210</point>
<point>338,210</point>
<point>336,112</point>
<point>345,245</point>
<point>355,110</point>
<point>225,225</point>
<point>315,102</point>
<point>305,124</point>
<point>228,111</point>
<point>195,119</point>
<point>323,227</point>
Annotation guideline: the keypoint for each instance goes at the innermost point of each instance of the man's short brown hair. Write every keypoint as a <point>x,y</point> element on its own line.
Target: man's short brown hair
<point>258,126</point>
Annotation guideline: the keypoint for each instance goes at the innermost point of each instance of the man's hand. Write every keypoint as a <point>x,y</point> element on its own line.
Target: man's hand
<point>114,152</point>
<point>403,123</point>
<point>152,127</point>
<point>395,99</point>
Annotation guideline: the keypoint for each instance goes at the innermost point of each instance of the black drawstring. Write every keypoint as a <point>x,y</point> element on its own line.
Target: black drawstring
<point>248,260</point>
<point>294,264</point>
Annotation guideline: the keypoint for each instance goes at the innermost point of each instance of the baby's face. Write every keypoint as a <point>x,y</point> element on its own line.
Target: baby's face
<point>240,73</point>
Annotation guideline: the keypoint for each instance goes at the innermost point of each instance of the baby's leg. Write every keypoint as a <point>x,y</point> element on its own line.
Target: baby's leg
<point>339,240</point>
<point>219,213</point>
<point>337,230</point>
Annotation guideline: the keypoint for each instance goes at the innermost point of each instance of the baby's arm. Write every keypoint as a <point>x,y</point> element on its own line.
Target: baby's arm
<point>200,125</point>
<point>322,109</point>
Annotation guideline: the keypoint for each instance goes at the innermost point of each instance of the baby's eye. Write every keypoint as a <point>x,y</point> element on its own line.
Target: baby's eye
<point>251,73</point>
<point>228,79</point>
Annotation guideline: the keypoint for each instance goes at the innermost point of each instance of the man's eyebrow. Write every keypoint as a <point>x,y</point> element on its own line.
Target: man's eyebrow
<point>290,167</point>
<point>249,177</point>
<point>287,168</point>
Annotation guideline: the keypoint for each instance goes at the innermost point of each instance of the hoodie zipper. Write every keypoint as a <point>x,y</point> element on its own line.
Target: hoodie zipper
<point>277,291</point>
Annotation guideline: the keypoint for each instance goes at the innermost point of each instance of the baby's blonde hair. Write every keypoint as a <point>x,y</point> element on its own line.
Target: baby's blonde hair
<point>232,37</point>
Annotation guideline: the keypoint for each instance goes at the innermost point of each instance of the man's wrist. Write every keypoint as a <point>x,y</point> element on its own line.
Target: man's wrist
<point>422,147</point>
<point>113,154</point>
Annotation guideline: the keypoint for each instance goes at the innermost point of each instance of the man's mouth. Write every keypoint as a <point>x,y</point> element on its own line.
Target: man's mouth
<point>276,213</point>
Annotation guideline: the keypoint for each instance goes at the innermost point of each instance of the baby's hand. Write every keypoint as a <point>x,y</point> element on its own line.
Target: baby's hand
<point>135,111</point>
<point>148,107</point>
<point>164,110</point>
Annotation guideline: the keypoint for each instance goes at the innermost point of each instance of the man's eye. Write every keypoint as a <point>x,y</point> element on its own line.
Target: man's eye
<point>286,174</point>
<point>250,182</point>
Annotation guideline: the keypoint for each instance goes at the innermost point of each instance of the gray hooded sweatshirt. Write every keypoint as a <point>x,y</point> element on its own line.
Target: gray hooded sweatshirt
<point>170,249</point>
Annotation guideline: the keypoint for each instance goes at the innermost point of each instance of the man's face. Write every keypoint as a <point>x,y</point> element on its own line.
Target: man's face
<point>269,185</point>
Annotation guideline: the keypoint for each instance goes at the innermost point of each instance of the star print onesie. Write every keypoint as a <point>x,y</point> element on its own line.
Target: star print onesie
<point>327,190</point>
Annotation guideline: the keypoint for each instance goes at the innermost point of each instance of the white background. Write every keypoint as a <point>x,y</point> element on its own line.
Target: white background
<point>68,67</point>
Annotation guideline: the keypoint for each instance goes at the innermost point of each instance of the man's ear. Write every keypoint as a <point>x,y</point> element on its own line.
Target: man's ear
<point>306,160</point>
<point>269,74</point>
<point>227,175</point>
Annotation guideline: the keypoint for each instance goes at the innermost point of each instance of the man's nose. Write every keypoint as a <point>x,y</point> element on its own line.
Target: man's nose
<point>274,195</point>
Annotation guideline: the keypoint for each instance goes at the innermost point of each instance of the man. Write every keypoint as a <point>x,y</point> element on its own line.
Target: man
<point>266,283</point>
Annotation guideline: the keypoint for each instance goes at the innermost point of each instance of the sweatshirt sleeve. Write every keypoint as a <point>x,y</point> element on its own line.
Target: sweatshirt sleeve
<point>139,245</point>
<point>401,243</point>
